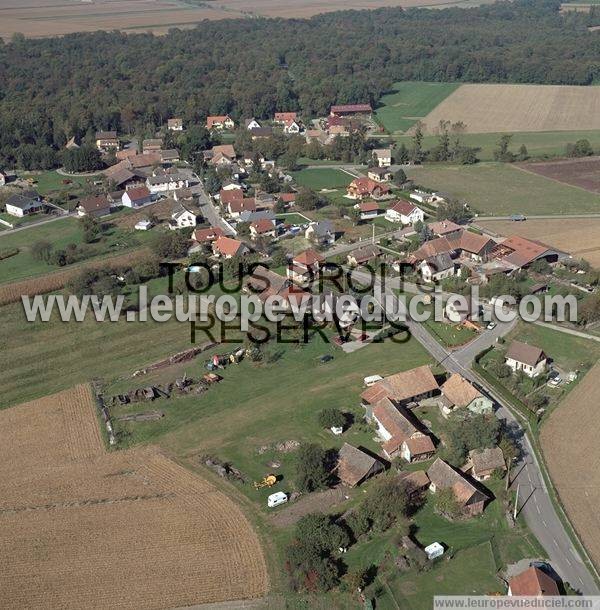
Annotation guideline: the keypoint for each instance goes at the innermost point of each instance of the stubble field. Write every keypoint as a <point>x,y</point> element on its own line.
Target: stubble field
<point>516,108</point>
<point>84,528</point>
<point>577,236</point>
<point>569,442</point>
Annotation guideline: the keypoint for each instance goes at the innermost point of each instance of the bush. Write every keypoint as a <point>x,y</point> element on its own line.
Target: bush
<point>331,418</point>
<point>312,467</point>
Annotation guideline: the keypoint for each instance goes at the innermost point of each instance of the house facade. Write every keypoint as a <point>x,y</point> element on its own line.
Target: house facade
<point>107,141</point>
<point>404,212</point>
<point>136,197</point>
<point>527,358</point>
<point>219,122</point>
<point>24,204</point>
<point>182,217</point>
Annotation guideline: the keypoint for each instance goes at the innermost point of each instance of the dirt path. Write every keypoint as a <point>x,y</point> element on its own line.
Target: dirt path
<point>320,501</point>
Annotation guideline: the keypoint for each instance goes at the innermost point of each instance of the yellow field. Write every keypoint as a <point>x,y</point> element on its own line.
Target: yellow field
<point>577,236</point>
<point>514,108</point>
<point>569,442</point>
<point>84,528</point>
<point>40,18</point>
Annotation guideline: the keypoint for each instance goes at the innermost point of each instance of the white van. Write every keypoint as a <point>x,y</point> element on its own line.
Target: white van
<point>276,499</point>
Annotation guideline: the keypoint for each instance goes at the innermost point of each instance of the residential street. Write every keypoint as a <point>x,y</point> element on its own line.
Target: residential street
<point>534,501</point>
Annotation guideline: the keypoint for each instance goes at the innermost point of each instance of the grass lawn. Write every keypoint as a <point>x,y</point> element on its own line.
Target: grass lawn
<point>49,182</point>
<point>325,178</point>
<point>498,189</point>
<point>410,101</point>
<point>449,335</point>
<point>293,218</point>
<point>539,144</point>
<point>60,233</point>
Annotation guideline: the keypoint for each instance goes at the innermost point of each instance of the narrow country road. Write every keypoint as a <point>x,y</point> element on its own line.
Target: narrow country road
<point>535,503</point>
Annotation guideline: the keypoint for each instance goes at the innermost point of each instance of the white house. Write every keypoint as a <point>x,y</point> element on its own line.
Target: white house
<point>182,218</point>
<point>321,232</point>
<point>136,197</point>
<point>527,358</point>
<point>368,210</point>
<point>404,212</point>
<point>24,204</point>
<point>166,183</point>
<point>291,127</point>
<point>436,268</point>
<point>143,225</point>
<point>252,124</point>
<point>383,156</point>
<point>220,121</point>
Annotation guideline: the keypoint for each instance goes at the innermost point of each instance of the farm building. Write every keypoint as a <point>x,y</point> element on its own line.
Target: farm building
<point>355,465</point>
<point>470,499</point>
<point>527,358</point>
<point>444,228</point>
<point>415,482</point>
<point>532,582</point>
<point>400,432</point>
<point>458,393</point>
<point>516,252</point>
<point>485,462</point>
<point>368,210</point>
<point>107,141</point>
<point>346,110</point>
<point>403,388</point>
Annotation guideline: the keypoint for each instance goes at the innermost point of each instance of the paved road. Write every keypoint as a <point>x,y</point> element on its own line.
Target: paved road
<point>568,331</point>
<point>535,504</point>
<point>209,210</point>
<point>538,216</point>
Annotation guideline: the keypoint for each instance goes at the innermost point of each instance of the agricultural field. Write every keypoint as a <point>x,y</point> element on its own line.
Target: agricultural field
<point>569,442</point>
<point>496,189</point>
<point>539,144</point>
<point>582,173</point>
<point>323,178</point>
<point>41,18</point>
<point>516,108</point>
<point>114,240</point>
<point>577,236</point>
<point>409,102</point>
<point>133,518</point>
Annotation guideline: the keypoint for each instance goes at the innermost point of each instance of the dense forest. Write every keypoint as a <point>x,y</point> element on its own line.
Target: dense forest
<point>53,88</point>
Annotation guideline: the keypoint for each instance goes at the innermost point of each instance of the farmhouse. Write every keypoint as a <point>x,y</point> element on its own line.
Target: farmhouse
<point>458,393</point>
<point>151,145</point>
<point>360,188</point>
<point>121,174</point>
<point>164,183</point>
<point>380,174</point>
<point>469,245</point>
<point>98,205</point>
<point>527,358</point>
<point>347,110</point>
<point>404,212</point>
<point>262,228</point>
<point>170,155</point>
<point>534,583</point>
<point>516,252</point>
<point>415,482</point>
<point>383,156</point>
<point>181,218</point>
<point>266,283</point>
<point>400,431</point>
<point>485,462</point>
<point>24,204</point>
<point>222,154</point>
<point>305,266</point>
<point>368,210</point>
<point>355,466</point>
<point>403,388</point>
<point>363,255</point>
<point>228,247</point>
<point>136,197</point>
<point>320,232</point>
<point>436,268</point>
<point>107,141</point>
<point>175,124</point>
<point>219,122</point>
<point>443,476</point>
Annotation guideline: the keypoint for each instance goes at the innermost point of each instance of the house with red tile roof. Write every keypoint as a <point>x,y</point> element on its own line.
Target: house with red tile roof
<point>534,583</point>
<point>361,188</point>
<point>404,212</point>
<point>283,117</point>
<point>221,121</point>
<point>305,266</point>
<point>263,227</point>
<point>403,388</point>
<point>227,247</point>
<point>207,235</point>
<point>368,210</point>
<point>237,206</point>
<point>136,197</point>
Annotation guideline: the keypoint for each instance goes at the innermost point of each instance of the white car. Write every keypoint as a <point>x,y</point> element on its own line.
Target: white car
<point>491,326</point>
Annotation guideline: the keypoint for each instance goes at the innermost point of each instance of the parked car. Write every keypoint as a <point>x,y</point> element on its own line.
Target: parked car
<point>518,217</point>
<point>491,326</point>
<point>326,358</point>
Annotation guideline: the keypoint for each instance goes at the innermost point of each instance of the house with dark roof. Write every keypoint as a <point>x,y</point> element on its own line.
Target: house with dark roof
<point>24,204</point>
<point>346,110</point>
<point>363,255</point>
<point>527,358</point>
<point>380,174</point>
<point>107,141</point>
<point>98,205</point>
<point>484,462</point>
<point>533,583</point>
<point>437,268</point>
<point>182,217</point>
<point>470,498</point>
<point>321,232</point>
<point>415,482</point>
<point>355,465</point>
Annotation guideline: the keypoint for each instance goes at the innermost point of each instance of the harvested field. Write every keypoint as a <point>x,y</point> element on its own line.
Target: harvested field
<point>84,528</point>
<point>569,442</point>
<point>41,18</point>
<point>584,173</point>
<point>51,282</point>
<point>578,236</point>
<point>511,108</point>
